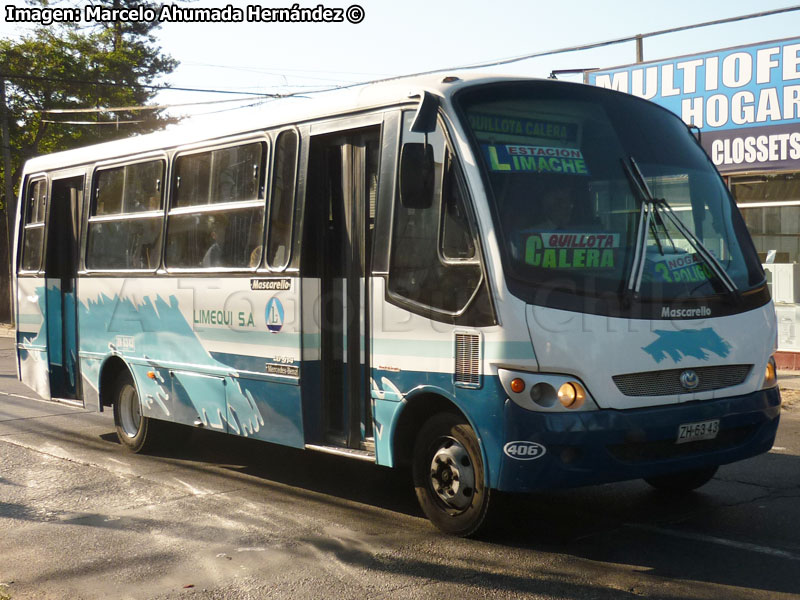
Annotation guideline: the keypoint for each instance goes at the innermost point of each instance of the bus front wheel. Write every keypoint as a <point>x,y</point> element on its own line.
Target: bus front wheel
<point>133,429</point>
<point>449,474</point>
<point>685,481</point>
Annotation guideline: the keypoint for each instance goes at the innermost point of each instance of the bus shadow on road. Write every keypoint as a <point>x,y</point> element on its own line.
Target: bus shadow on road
<point>336,476</point>
<point>695,536</point>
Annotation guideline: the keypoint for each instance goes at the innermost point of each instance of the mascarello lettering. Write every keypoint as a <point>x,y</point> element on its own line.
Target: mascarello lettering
<point>685,313</point>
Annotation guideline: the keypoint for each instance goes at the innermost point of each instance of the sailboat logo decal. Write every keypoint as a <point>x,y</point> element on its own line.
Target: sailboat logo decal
<point>274,314</point>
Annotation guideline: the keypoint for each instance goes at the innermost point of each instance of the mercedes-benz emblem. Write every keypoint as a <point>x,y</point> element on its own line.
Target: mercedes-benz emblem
<point>689,379</point>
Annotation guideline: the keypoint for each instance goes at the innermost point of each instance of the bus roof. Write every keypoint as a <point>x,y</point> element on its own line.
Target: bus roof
<point>285,111</point>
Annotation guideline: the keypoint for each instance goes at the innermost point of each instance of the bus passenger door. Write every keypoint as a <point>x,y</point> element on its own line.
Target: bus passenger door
<point>61,268</point>
<point>339,216</point>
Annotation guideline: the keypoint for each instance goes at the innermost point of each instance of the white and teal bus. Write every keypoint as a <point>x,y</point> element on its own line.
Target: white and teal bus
<point>505,284</point>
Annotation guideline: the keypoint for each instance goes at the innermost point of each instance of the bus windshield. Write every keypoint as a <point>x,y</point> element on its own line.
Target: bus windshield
<point>556,158</point>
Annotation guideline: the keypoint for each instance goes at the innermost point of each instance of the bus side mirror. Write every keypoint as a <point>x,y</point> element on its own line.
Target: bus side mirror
<point>416,175</point>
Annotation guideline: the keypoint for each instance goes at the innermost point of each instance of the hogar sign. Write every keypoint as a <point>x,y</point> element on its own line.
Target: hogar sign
<point>746,100</point>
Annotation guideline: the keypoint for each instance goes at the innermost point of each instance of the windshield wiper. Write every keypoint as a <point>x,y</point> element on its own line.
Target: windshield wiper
<point>645,216</point>
<point>660,221</point>
<point>658,208</point>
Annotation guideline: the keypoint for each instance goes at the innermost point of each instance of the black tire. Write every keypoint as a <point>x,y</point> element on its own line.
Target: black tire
<point>449,475</point>
<point>136,433</point>
<point>685,481</point>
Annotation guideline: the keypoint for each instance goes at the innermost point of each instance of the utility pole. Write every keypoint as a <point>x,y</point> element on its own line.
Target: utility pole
<point>7,225</point>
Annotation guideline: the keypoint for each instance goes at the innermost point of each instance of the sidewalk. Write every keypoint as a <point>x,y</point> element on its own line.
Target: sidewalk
<point>789,380</point>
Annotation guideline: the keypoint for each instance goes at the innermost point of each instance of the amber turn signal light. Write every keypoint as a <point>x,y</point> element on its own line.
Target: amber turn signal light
<point>517,385</point>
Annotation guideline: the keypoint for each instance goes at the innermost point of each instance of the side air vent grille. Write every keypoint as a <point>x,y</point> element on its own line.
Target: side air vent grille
<point>468,360</point>
<point>667,383</point>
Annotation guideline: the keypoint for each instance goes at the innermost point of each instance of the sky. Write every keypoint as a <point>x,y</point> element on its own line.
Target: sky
<point>410,36</point>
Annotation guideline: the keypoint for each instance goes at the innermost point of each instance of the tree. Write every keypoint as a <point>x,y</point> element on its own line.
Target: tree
<point>109,64</point>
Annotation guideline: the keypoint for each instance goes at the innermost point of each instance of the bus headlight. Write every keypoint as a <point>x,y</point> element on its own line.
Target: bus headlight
<point>546,393</point>
<point>571,395</point>
<point>770,374</point>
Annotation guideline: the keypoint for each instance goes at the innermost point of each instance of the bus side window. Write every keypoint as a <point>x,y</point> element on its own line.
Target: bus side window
<point>126,218</point>
<point>458,239</point>
<point>33,233</point>
<point>284,176</point>
<point>432,261</point>
<point>109,190</point>
<point>223,191</point>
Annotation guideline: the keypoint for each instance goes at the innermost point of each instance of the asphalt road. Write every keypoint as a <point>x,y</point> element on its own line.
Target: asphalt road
<point>228,518</point>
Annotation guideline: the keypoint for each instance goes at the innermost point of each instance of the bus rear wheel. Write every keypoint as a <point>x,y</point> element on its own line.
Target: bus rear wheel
<point>685,481</point>
<point>449,474</point>
<point>134,430</point>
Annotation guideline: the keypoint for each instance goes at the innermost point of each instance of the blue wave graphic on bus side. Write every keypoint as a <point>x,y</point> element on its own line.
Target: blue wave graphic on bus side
<point>40,338</point>
<point>159,329</point>
<point>695,343</point>
<point>167,328</point>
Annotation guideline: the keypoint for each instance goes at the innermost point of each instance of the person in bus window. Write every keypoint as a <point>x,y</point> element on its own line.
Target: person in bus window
<point>213,256</point>
<point>555,209</point>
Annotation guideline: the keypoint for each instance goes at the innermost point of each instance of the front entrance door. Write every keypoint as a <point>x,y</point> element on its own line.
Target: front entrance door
<point>340,218</point>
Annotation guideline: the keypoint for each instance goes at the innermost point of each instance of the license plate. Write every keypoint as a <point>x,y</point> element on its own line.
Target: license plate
<point>692,432</point>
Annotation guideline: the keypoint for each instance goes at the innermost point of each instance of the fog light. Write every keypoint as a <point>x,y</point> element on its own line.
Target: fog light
<point>543,394</point>
<point>517,385</point>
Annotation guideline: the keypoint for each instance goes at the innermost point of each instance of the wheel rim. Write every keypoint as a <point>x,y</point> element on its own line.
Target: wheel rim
<point>129,413</point>
<point>452,476</point>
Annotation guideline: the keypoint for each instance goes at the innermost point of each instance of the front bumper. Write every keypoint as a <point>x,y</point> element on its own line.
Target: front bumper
<point>614,445</point>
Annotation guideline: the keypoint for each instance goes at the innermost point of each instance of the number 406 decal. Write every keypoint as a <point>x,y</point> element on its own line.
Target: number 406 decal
<point>523,450</point>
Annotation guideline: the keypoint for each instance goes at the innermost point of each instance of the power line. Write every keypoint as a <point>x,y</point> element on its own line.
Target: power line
<point>284,76</point>
<point>493,63</point>
<point>127,85</point>
<point>629,38</point>
<point>275,70</point>
<point>93,122</point>
<point>214,112</point>
<point>257,103</point>
<point>590,46</point>
<point>133,108</point>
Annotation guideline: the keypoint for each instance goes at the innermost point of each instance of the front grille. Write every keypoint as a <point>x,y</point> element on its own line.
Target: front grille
<point>666,383</point>
<point>468,359</point>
